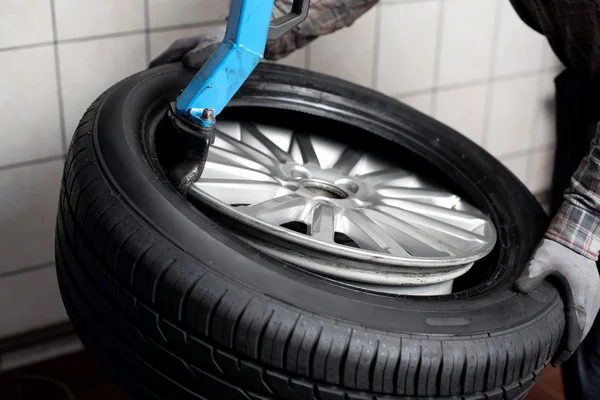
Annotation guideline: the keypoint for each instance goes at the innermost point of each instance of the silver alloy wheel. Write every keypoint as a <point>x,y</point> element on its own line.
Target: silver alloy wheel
<point>384,225</point>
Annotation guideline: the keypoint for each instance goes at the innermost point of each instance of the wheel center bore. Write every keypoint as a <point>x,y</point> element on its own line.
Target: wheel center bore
<point>323,189</point>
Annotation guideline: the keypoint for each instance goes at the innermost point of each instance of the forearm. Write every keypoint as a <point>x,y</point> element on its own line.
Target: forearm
<point>577,223</point>
<point>324,17</point>
<point>572,28</point>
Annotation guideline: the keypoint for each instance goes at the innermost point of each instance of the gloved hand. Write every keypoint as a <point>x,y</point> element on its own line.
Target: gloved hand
<point>192,51</point>
<point>324,17</point>
<point>581,283</point>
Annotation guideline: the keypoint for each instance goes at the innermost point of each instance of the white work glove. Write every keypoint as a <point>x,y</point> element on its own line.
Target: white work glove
<point>192,51</point>
<point>580,282</point>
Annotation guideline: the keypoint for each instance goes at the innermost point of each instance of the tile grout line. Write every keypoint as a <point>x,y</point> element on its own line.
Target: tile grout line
<point>537,110</point>
<point>61,108</point>
<point>490,89</point>
<point>147,30</point>
<point>112,35</point>
<point>376,46</point>
<point>25,46</point>
<point>37,161</point>
<point>437,57</point>
<point>522,153</point>
<point>474,83</point>
<point>24,270</point>
<point>405,1</point>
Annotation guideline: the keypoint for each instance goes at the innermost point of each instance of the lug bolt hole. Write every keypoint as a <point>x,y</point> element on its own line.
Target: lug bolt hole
<point>292,185</point>
<point>299,172</point>
<point>347,185</point>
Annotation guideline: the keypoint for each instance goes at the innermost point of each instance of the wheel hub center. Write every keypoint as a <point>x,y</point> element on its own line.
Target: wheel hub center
<point>323,189</point>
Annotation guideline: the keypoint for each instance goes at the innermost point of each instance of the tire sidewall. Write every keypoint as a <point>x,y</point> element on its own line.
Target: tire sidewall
<point>122,134</point>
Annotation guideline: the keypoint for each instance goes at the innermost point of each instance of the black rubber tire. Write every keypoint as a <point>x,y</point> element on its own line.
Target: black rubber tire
<point>177,307</point>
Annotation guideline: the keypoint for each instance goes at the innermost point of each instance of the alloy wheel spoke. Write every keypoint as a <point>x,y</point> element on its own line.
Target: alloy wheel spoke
<point>415,240</point>
<point>447,233</point>
<point>214,170</point>
<point>278,153</point>
<point>306,149</point>
<point>226,142</point>
<point>237,192</point>
<point>368,235</point>
<point>389,177</point>
<point>221,156</point>
<point>323,223</point>
<point>420,195</point>
<point>348,160</point>
<point>381,212</point>
<point>282,209</point>
<point>460,219</point>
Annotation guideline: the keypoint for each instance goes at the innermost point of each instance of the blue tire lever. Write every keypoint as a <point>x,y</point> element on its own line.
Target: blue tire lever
<point>189,124</point>
<point>249,27</point>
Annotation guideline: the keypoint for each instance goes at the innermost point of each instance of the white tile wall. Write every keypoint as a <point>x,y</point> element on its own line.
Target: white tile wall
<point>511,115</point>
<point>81,18</point>
<point>353,63</point>
<point>467,31</point>
<point>33,131</point>
<point>296,59</point>
<point>28,199</point>
<point>88,68</point>
<point>540,162</point>
<point>517,165</point>
<point>407,44</point>
<point>422,102</point>
<point>544,132</point>
<point>18,18</point>
<point>464,110</point>
<point>30,300</point>
<point>470,63</point>
<point>168,12</point>
<point>161,40</point>
<point>520,48</point>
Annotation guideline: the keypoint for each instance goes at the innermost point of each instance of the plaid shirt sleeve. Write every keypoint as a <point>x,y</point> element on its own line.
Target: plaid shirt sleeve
<point>577,223</point>
<point>324,17</point>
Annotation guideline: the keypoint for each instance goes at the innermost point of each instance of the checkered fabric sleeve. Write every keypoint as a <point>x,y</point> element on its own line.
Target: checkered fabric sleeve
<point>324,17</point>
<point>577,223</point>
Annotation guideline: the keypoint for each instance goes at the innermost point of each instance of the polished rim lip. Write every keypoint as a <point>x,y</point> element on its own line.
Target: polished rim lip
<point>360,273</point>
<point>344,252</point>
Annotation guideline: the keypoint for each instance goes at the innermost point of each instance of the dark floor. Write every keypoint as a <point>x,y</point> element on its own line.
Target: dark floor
<point>78,377</point>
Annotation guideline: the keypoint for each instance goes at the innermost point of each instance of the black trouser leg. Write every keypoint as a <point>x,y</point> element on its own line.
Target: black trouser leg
<point>581,372</point>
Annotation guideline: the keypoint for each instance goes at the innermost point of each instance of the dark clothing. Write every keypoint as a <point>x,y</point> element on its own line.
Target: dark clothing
<point>577,114</point>
<point>324,17</point>
<point>581,372</point>
<point>572,28</point>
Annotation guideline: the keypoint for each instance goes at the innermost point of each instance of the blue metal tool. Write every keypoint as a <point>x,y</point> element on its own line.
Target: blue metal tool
<point>248,28</point>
